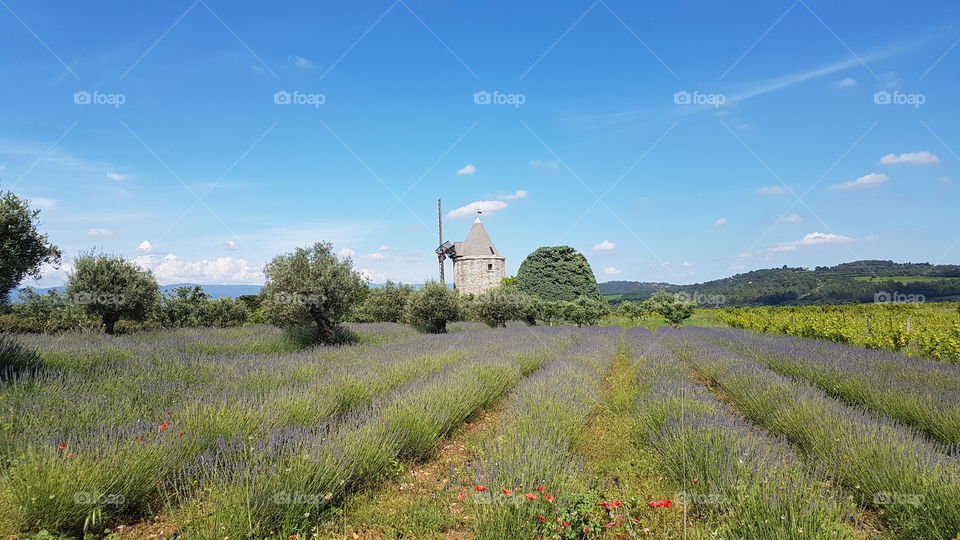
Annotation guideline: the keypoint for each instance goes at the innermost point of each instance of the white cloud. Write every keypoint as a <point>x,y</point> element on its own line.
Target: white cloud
<point>223,270</point>
<point>347,252</point>
<point>944,179</point>
<point>118,177</point>
<point>43,202</point>
<point>910,158</point>
<point>772,190</point>
<point>871,179</point>
<point>812,239</point>
<point>487,207</point>
<point>606,245</point>
<point>519,194</point>
<point>99,233</point>
<point>847,83</point>
<point>374,256</point>
<point>545,164</point>
<point>145,246</point>
<point>229,245</point>
<point>301,62</point>
<point>611,271</point>
<point>687,264</point>
<point>720,222</point>
<point>372,276</point>
<point>469,169</point>
<point>792,218</point>
<point>383,247</point>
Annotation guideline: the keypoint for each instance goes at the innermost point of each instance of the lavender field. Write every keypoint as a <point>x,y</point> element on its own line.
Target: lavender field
<point>522,432</point>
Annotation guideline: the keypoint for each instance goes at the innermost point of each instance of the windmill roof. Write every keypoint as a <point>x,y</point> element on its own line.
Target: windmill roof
<point>477,244</point>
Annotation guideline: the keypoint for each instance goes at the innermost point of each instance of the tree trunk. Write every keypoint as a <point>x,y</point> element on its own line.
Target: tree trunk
<point>108,325</point>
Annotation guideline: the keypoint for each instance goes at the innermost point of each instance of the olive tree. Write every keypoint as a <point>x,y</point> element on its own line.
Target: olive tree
<point>386,304</point>
<point>432,307</point>
<point>672,308</point>
<point>311,286</point>
<point>500,304</point>
<point>585,311</point>
<point>111,287</point>
<point>23,250</point>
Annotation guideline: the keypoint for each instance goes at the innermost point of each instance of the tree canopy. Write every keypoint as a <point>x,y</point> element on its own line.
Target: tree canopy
<point>111,287</point>
<point>22,248</point>
<point>557,273</point>
<point>311,286</point>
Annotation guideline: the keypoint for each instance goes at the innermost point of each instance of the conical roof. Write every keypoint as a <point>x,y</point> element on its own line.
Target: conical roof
<point>477,244</point>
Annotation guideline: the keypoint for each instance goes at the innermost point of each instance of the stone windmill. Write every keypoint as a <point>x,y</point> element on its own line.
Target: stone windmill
<point>477,264</point>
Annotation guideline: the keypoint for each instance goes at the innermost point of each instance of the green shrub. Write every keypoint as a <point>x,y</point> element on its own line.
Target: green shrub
<point>432,307</point>
<point>557,273</point>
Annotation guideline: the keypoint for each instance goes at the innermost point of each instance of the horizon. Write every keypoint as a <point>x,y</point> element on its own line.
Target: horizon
<point>677,144</point>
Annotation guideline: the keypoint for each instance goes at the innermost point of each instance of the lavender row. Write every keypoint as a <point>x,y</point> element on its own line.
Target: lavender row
<point>911,480</point>
<point>922,393</point>
<point>750,482</point>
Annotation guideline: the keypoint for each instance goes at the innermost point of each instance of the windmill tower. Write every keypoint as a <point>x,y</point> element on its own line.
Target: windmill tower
<point>477,264</point>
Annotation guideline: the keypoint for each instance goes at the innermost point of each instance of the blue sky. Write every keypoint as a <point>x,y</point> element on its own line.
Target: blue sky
<point>667,142</point>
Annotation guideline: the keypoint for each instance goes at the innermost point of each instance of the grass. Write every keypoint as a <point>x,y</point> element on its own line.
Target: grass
<point>701,317</point>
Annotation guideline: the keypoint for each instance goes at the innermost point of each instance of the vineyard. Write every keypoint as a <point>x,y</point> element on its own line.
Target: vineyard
<point>523,432</point>
<point>914,329</point>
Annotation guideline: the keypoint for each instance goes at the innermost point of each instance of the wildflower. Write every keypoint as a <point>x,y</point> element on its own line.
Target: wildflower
<point>617,503</point>
<point>586,530</point>
<point>695,480</point>
<point>620,536</point>
<point>542,519</point>
<point>565,524</point>
<point>163,426</point>
<point>611,525</point>
<point>506,491</point>
<point>461,496</point>
<point>61,447</point>
<point>532,496</point>
<point>69,455</point>
<point>662,503</point>
<point>549,497</point>
<point>181,434</point>
<point>540,488</point>
<point>604,504</point>
<point>294,537</point>
<point>480,488</point>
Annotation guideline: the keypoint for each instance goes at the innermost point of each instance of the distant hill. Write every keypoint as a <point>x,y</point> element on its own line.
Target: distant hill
<point>854,282</point>
<point>215,291</point>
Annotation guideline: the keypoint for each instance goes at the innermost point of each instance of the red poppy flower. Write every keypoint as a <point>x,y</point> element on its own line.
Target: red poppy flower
<point>604,504</point>
<point>620,536</point>
<point>163,426</point>
<point>506,491</point>
<point>696,480</point>
<point>69,455</point>
<point>540,488</point>
<point>549,497</point>
<point>461,496</point>
<point>480,488</point>
<point>611,525</point>
<point>532,496</point>
<point>542,519</point>
<point>662,503</point>
<point>586,530</point>
<point>565,524</point>
<point>61,447</point>
<point>294,537</point>
<point>617,503</point>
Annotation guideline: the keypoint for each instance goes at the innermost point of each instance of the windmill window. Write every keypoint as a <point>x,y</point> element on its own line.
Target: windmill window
<point>489,267</point>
